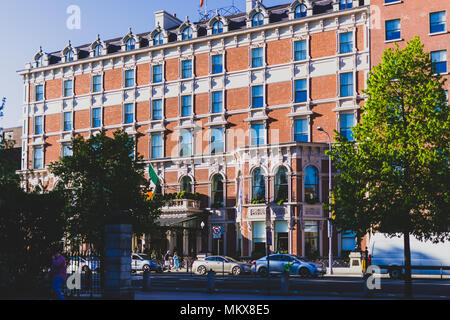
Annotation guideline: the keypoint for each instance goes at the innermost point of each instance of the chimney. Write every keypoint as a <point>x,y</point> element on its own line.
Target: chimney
<point>166,20</point>
<point>250,4</point>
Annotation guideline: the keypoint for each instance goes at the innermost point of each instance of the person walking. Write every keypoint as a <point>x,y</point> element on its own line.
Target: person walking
<point>176,261</point>
<point>58,273</point>
<point>167,260</point>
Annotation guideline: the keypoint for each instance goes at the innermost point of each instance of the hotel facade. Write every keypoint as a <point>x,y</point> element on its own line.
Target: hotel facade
<point>224,107</point>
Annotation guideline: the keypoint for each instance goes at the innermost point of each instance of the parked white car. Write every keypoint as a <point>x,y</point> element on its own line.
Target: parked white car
<point>426,257</point>
<point>142,262</point>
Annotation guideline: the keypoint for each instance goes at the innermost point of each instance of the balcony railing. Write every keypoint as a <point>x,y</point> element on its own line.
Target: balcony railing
<point>181,206</point>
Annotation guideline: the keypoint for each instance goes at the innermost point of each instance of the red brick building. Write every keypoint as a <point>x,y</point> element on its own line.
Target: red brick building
<point>215,106</point>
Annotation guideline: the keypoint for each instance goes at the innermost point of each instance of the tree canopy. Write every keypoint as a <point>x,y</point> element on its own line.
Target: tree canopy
<point>102,176</point>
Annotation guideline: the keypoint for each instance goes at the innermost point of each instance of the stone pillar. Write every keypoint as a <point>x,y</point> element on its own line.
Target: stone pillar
<point>169,240</point>
<point>185,242</point>
<point>199,241</point>
<point>117,258</point>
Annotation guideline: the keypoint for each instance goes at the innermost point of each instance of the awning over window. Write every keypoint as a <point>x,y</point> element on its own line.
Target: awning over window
<point>170,222</point>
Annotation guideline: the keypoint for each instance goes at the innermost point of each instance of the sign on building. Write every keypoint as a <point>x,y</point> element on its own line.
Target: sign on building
<point>217,232</point>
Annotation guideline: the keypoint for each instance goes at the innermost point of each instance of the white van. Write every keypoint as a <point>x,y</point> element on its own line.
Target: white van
<point>426,257</point>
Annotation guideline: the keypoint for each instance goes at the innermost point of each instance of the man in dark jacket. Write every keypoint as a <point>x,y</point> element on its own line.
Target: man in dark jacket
<point>58,273</point>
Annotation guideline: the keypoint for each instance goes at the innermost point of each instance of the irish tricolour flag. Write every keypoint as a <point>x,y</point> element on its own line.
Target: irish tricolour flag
<point>153,181</point>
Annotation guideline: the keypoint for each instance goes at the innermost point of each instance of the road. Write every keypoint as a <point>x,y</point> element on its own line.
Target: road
<point>345,287</point>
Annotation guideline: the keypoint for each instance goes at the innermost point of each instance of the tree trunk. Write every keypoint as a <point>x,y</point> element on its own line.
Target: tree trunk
<point>407,253</point>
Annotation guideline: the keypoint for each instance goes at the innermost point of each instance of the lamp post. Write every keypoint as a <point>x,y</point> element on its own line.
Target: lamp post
<point>2,106</point>
<point>330,256</point>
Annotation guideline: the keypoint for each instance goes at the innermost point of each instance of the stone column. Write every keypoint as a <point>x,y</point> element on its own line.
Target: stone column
<point>199,241</point>
<point>117,258</point>
<point>185,242</point>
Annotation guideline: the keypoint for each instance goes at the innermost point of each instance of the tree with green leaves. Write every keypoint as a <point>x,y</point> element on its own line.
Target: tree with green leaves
<point>394,177</point>
<point>101,177</point>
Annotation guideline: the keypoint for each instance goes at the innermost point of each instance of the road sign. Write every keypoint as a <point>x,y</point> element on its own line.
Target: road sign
<point>217,232</point>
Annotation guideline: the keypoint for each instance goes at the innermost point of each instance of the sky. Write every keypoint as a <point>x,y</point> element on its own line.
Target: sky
<point>25,25</point>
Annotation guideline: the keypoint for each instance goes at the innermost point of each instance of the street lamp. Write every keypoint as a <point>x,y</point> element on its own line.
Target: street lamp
<point>330,257</point>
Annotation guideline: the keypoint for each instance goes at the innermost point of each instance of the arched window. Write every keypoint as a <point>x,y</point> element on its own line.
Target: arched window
<point>258,20</point>
<point>187,33</point>
<point>98,50</point>
<point>217,27</point>
<point>69,56</point>
<point>39,61</point>
<point>258,185</point>
<point>217,191</point>
<point>158,39</point>
<point>186,184</point>
<point>300,11</point>
<point>281,185</point>
<point>311,184</point>
<point>130,44</point>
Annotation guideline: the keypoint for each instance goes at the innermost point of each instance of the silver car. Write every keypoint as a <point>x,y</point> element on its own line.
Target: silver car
<point>220,264</point>
<point>278,262</point>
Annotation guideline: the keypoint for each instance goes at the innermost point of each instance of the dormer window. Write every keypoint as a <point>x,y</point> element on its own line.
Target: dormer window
<point>258,20</point>
<point>187,33</point>
<point>69,56</point>
<point>217,27</point>
<point>300,11</point>
<point>345,4</point>
<point>158,39</point>
<point>98,50</point>
<point>130,44</point>
<point>39,61</point>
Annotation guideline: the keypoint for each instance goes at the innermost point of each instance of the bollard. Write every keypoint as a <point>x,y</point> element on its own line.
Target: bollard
<point>285,283</point>
<point>147,282</point>
<point>211,281</point>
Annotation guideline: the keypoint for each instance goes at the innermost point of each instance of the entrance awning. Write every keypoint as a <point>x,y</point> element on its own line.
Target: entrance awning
<point>169,222</point>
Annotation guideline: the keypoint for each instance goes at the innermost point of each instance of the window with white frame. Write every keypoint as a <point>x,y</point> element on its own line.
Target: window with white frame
<point>439,61</point>
<point>98,50</point>
<point>346,123</point>
<point>217,140</point>
<point>128,113</point>
<point>300,11</point>
<point>301,90</point>
<point>68,88</point>
<point>39,92</point>
<point>157,146</point>
<point>67,150</point>
<point>346,42</point>
<point>97,85</point>
<point>186,106</point>
<point>393,31</point>
<point>67,121</point>
<point>257,96</point>
<point>158,39</point>
<point>96,117</point>
<point>157,109</point>
<point>300,50</point>
<point>257,133</point>
<point>157,74</point>
<point>346,84</point>
<point>257,57</point>
<point>130,44</point>
<point>38,159</point>
<point>186,69</point>
<point>217,101</point>
<point>187,33</point>
<point>217,64</point>
<point>129,78</point>
<point>258,185</point>
<point>217,27</point>
<point>38,125</point>
<point>301,132</point>
<point>186,143</point>
<point>217,193</point>
<point>437,22</point>
<point>258,19</point>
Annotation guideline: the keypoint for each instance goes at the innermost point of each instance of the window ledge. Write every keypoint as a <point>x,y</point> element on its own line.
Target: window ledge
<point>394,40</point>
<point>392,3</point>
<point>438,33</point>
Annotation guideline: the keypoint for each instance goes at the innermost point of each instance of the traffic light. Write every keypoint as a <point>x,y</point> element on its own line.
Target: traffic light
<point>333,215</point>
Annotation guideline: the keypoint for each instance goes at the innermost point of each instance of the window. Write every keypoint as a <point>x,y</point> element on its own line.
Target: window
<point>300,50</point>
<point>439,61</point>
<point>98,50</point>
<point>257,134</point>
<point>437,22</point>
<point>282,238</point>
<point>157,146</point>
<point>67,150</point>
<point>186,143</point>
<point>301,90</point>
<point>39,92</point>
<point>129,113</point>
<point>257,57</point>
<point>39,61</point>
<point>186,106</point>
<point>257,97</point>
<point>301,130</point>
<point>390,1</point>
<point>186,184</point>
<point>346,42</point>
<point>217,191</point>
<point>217,141</point>
<point>258,185</point>
<point>38,158</point>
<point>217,27</point>
<point>130,44</point>
<point>187,69</point>
<point>345,4</point>
<point>69,56</point>
<point>96,118</point>
<point>187,33</point>
<point>259,238</point>
<point>157,110</point>
<point>67,122</point>
<point>158,39</point>
<point>393,31</point>
<point>311,184</point>
<point>346,123</point>
<point>300,11</point>
<point>258,20</point>
<point>217,64</point>
<point>157,74</point>
<point>97,84</point>
<point>129,78</point>
<point>281,185</point>
<point>312,239</point>
<point>38,125</point>
<point>346,84</point>
<point>217,102</point>
<point>68,88</point>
